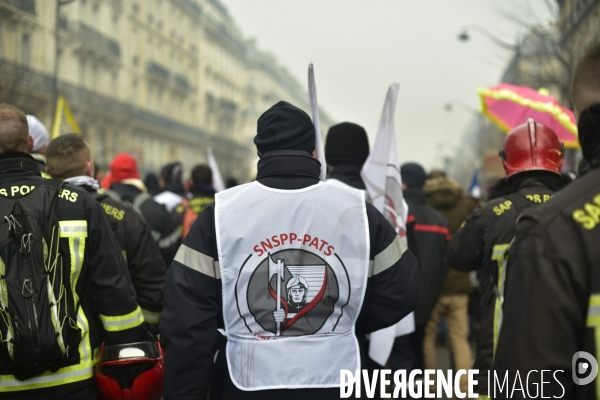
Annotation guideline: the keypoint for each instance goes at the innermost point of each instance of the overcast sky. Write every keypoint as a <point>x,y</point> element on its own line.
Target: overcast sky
<point>359,47</point>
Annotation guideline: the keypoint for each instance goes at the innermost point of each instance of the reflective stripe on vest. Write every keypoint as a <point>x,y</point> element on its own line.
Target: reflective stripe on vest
<point>76,233</point>
<point>293,266</point>
<point>115,323</point>
<point>151,316</point>
<point>499,253</point>
<point>593,321</point>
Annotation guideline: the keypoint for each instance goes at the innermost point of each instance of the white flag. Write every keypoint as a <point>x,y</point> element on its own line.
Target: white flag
<point>314,108</point>
<point>381,175</point>
<point>381,171</point>
<point>218,183</point>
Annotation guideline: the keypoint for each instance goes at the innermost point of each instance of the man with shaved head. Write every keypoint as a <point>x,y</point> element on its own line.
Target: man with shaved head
<point>551,320</point>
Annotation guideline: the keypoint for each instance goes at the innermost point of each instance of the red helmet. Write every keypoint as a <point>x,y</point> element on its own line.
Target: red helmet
<point>132,371</point>
<point>531,146</point>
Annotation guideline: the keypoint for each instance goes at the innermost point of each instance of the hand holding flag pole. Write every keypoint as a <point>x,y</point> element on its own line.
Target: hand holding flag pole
<point>314,108</point>
<point>276,268</point>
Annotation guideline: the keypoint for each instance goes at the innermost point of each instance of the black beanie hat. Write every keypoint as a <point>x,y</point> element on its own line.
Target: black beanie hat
<point>346,143</point>
<point>413,175</point>
<point>172,172</point>
<point>284,127</point>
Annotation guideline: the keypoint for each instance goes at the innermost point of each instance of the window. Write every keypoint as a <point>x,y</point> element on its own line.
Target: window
<point>134,92</point>
<point>26,50</point>
<point>95,13</point>
<point>82,10</point>
<point>95,81</point>
<point>81,72</point>
<point>150,97</point>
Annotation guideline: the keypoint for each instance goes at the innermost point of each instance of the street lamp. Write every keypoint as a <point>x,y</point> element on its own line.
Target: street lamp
<point>449,106</point>
<point>464,36</point>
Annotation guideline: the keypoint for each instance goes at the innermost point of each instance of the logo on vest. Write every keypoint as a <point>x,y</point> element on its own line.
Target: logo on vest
<point>294,292</point>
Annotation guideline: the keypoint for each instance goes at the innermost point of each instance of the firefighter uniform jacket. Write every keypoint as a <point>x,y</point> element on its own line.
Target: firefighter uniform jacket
<point>552,307</point>
<point>146,266</point>
<point>90,254</point>
<point>193,310</point>
<point>428,236</point>
<point>481,245</point>
<point>164,228</point>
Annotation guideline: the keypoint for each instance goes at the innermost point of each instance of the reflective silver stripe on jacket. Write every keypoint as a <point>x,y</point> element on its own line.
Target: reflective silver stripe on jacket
<point>197,261</point>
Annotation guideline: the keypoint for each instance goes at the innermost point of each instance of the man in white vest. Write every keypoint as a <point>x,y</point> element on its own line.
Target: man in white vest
<point>277,278</point>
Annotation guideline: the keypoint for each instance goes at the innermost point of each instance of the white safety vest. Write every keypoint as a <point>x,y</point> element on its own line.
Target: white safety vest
<point>294,267</point>
<point>337,182</point>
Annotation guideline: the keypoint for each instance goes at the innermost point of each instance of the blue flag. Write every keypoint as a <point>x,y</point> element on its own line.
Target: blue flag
<point>475,189</point>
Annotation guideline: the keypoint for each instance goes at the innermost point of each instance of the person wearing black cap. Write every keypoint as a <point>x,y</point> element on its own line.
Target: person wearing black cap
<point>171,181</point>
<point>428,235</point>
<point>551,321</point>
<point>233,271</point>
<point>346,150</point>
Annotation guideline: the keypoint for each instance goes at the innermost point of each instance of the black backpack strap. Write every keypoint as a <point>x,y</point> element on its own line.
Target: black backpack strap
<point>100,196</point>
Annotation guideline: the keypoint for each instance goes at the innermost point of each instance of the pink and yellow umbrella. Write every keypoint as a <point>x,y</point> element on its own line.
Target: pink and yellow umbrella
<point>509,106</point>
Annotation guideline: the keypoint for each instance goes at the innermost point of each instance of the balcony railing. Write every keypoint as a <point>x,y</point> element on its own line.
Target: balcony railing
<point>14,75</point>
<point>25,5</point>
<point>158,71</point>
<point>182,82</point>
<point>91,36</point>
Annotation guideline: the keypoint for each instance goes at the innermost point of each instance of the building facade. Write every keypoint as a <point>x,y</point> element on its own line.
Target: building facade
<point>159,79</point>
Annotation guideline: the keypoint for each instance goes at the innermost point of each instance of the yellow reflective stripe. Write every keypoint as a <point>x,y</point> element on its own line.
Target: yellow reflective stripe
<point>45,175</point>
<point>72,228</point>
<point>122,322</point>
<point>499,250</point>
<point>593,321</point>
<point>499,254</point>
<point>151,316</point>
<point>77,253</point>
<point>4,305</point>
<point>595,300</point>
<point>73,373</point>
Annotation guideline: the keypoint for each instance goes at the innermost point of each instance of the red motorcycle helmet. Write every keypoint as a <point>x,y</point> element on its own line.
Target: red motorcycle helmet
<point>133,371</point>
<point>532,146</point>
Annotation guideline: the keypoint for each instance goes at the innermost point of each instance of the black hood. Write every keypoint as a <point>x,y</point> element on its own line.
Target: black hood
<point>13,161</point>
<point>348,174</point>
<point>126,191</point>
<point>288,169</point>
<point>202,189</point>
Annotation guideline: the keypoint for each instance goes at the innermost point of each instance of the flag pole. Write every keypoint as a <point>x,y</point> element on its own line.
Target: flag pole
<point>279,293</point>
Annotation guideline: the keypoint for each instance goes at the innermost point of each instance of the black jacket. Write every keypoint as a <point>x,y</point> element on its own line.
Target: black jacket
<point>428,235</point>
<point>146,266</point>
<point>164,228</point>
<point>481,245</point>
<point>103,285</point>
<point>193,300</point>
<point>553,290</point>
<point>202,195</point>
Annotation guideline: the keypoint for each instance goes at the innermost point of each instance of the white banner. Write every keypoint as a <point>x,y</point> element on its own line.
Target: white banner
<point>218,183</point>
<point>381,174</point>
<point>314,108</point>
